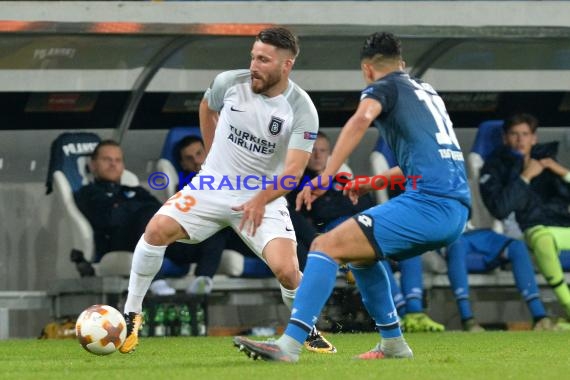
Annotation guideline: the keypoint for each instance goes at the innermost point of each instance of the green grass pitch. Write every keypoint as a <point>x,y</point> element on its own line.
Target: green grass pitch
<point>451,355</point>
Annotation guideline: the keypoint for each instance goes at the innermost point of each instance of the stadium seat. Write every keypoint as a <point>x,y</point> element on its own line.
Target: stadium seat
<point>167,163</point>
<point>489,137</point>
<point>68,172</point>
<point>382,159</point>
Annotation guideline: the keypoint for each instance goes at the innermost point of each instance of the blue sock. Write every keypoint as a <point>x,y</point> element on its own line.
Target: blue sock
<point>397,295</point>
<point>374,286</point>
<point>523,273</point>
<point>457,273</point>
<point>412,283</point>
<point>316,287</point>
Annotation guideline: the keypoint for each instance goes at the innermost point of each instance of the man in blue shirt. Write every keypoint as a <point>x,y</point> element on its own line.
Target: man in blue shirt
<point>430,214</point>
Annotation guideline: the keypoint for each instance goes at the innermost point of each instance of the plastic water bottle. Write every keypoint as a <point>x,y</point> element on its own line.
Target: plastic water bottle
<point>172,321</point>
<point>200,320</point>
<point>159,318</point>
<point>185,321</point>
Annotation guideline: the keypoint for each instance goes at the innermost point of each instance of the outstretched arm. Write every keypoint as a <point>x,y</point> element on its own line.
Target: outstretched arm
<point>351,134</point>
<point>349,138</point>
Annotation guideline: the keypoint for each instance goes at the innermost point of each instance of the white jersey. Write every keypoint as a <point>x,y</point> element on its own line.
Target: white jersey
<point>254,132</point>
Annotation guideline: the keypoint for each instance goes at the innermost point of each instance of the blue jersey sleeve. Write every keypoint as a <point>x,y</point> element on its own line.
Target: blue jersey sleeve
<point>383,91</point>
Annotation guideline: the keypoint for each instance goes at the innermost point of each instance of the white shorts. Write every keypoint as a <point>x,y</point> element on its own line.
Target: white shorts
<point>202,213</point>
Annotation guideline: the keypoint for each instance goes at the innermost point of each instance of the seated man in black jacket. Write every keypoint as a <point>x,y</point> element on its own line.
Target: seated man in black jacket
<point>524,177</point>
<point>116,212</point>
<point>119,214</point>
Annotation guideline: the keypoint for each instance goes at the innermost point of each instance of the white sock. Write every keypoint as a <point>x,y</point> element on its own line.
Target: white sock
<point>147,260</point>
<point>288,296</point>
<point>290,346</point>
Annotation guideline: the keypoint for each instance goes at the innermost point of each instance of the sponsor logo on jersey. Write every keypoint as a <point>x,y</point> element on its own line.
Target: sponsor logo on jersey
<point>251,142</point>
<point>236,109</point>
<point>365,220</point>
<point>275,125</point>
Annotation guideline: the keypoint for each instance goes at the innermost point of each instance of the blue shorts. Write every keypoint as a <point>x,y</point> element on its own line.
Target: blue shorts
<point>412,223</point>
<point>484,249</point>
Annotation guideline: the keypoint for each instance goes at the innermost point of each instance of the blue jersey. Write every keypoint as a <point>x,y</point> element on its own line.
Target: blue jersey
<point>416,126</point>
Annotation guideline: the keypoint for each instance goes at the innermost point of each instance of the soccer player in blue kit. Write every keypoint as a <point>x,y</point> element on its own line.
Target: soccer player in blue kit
<point>430,214</point>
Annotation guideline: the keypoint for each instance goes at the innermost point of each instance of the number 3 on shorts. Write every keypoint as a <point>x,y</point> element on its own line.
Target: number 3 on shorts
<point>182,203</point>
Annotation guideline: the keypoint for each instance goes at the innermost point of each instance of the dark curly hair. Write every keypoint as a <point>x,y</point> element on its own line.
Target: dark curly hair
<point>385,44</point>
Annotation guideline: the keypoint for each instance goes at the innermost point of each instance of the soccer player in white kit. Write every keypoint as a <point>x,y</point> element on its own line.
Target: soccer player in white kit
<point>259,128</point>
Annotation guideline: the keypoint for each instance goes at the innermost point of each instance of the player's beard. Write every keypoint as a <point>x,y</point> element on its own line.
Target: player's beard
<point>260,85</point>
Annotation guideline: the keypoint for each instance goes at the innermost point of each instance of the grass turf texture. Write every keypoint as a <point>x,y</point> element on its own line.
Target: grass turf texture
<point>489,355</point>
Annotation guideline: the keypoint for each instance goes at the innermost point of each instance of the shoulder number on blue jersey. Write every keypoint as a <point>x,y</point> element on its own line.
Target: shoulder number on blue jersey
<point>445,134</point>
